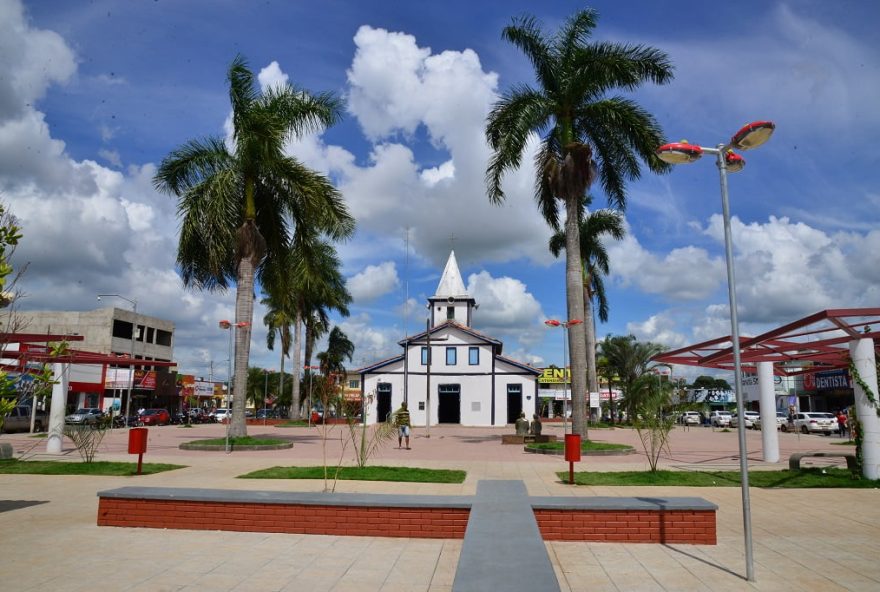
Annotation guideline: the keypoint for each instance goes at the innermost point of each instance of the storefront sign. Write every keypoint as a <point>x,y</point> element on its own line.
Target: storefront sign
<point>555,376</point>
<point>835,379</point>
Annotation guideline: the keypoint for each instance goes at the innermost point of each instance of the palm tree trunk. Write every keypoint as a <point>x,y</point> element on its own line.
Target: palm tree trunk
<point>281,376</point>
<point>244,312</point>
<point>574,290</point>
<point>590,329</point>
<point>295,397</point>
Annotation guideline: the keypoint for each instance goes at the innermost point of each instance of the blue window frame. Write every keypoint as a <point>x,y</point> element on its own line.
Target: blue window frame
<point>451,356</point>
<point>473,356</point>
<point>424,356</point>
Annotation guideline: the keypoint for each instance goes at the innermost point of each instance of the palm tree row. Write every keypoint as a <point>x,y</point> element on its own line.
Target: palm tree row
<point>244,210</point>
<point>585,136</point>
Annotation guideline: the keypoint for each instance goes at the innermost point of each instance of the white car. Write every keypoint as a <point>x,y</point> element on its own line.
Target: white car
<point>781,421</point>
<point>815,422</point>
<point>720,419</point>
<point>689,418</point>
<point>749,419</point>
<point>221,415</point>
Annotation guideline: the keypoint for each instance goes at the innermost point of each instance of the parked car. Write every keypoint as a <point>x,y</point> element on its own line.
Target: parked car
<point>690,418</point>
<point>749,418</point>
<point>155,417</point>
<point>781,421</point>
<point>199,415</point>
<point>815,422</point>
<point>85,416</point>
<point>19,420</point>
<point>222,415</point>
<point>720,419</point>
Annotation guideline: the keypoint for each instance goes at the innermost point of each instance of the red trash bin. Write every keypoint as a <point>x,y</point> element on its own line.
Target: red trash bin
<point>572,447</point>
<point>137,444</point>
<point>137,440</point>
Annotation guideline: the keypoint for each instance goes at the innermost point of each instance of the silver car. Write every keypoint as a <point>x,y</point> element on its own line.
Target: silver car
<point>815,423</point>
<point>781,421</point>
<point>85,416</point>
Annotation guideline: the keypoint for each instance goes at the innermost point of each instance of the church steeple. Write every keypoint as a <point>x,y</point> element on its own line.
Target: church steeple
<point>451,302</point>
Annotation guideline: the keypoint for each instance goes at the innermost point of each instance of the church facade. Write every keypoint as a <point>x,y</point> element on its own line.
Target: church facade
<point>450,373</point>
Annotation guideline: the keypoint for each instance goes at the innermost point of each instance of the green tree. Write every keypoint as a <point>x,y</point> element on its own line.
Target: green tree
<point>651,415</point>
<point>339,348</point>
<point>629,359</point>
<point>308,285</point>
<point>594,227</point>
<point>585,135</point>
<point>242,209</point>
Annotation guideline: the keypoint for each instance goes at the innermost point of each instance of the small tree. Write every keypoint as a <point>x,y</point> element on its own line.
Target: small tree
<point>651,420</point>
<point>366,440</point>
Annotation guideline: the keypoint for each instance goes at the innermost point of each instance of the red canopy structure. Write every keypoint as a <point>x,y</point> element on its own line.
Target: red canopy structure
<point>30,352</point>
<point>819,342</point>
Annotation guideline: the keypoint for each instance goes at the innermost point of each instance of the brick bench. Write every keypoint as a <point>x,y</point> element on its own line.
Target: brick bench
<point>688,520</point>
<point>685,520</point>
<point>794,461</point>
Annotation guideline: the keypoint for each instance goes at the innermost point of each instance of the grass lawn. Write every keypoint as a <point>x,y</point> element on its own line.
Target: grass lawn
<point>805,478</point>
<point>102,468</point>
<point>406,474</point>
<point>300,423</point>
<point>586,445</point>
<point>239,441</point>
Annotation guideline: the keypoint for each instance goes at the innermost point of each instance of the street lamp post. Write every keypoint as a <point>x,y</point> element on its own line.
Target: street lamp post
<point>565,325</point>
<point>134,310</point>
<point>749,136</point>
<point>265,393</point>
<point>309,412</point>
<point>228,326</point>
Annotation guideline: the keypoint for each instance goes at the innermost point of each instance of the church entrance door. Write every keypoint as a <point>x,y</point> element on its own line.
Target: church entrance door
<point>449,403</point>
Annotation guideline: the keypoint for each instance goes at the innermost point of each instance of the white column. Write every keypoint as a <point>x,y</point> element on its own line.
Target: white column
<point>769,437</point>
<point>56,413</point>
<point>861,351</point>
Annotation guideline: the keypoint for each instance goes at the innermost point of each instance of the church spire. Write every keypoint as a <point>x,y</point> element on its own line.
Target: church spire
<point>452,301</point>
<point>450,281</point>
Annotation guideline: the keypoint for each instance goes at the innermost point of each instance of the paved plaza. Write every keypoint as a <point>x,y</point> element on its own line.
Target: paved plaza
<point>803,539</point>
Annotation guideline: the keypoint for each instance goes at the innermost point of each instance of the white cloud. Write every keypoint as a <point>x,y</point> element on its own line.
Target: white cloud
<point>271,76</point>
<point>508,311</point>
<point>374,281</point>
<point>111,156</point>
<point>659,328</point>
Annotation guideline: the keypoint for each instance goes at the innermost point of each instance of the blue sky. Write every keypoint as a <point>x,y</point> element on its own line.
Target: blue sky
<point>97,93</point>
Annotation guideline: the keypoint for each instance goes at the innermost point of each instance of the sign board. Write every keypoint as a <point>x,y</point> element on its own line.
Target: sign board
<point>594,400</point>
<point>835,379</point>
<point>555,376</point>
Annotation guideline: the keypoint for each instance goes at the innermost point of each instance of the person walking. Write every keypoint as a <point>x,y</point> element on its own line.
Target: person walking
<point>402,421</point>
<point>841,423</point>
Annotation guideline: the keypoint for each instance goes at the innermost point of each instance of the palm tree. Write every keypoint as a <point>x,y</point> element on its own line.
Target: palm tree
<point>240,210</point>
<point>629,359</point>
<point>278,319</point>
<point>309,283</point>
<point>594,265</point>
<point>585,136</point>
<point>339,348</point>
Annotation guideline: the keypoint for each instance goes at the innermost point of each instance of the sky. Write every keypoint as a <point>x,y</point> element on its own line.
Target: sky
<point>93,95</point>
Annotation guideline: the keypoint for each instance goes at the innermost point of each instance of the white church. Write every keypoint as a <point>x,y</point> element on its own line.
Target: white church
<point>450,373</point>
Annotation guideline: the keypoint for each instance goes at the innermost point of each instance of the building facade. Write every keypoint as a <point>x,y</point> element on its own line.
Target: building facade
<point>450,373</point>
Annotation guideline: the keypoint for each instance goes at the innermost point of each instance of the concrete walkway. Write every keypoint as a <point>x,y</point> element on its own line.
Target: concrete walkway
<point>803,539</point>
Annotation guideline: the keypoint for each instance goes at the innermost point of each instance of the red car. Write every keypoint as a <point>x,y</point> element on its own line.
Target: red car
<point>155,417</point>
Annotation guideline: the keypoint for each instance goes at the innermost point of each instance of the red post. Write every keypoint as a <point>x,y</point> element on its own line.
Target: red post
<point>572,453</point>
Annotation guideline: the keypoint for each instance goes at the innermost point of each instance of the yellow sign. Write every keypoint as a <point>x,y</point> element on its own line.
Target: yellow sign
<point>555,376</point>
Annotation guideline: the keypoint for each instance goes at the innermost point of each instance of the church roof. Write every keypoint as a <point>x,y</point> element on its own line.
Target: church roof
<point>450,281</point>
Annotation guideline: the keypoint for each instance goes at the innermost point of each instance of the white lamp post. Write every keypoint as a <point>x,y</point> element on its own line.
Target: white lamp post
<point>228,326</point>
<point>134,309</point>
<point>749,136</point>
<point>565,325</point>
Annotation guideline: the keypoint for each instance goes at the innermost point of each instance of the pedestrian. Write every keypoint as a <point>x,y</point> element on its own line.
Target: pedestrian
<point>841,423</point>
<point>402,421</point>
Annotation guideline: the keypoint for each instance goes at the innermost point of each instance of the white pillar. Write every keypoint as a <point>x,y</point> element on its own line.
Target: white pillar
<point>861,351</point>
<point>769,437</point>
<point>56,413</point>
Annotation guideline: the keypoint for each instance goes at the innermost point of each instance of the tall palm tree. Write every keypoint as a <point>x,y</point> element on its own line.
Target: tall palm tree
<point>585,136</point>
<point>278,319</point>
<point>309,283</point>
<point>629,359</point>
<point>241,209</point>
<point>332,361</point>
<point>594,265</point>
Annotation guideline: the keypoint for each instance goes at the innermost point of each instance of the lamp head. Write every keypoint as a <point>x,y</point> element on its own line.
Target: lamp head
<point>752,135</point>
<point>735,163</point>
<point>225,324</point>
<point>679,152</point>
<point>552,323</point>
<point>573,322</point>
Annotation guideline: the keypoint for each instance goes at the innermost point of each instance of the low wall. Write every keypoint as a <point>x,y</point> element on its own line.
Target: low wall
<point>599,519</point>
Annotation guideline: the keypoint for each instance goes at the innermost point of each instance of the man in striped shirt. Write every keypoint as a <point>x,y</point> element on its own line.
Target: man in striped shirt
<point>401,420</point>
